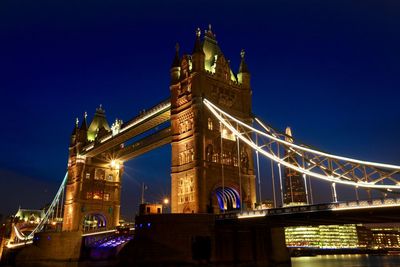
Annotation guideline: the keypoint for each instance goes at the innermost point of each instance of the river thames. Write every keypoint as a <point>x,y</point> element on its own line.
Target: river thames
<point>347,261</point>
<point>316,261</point>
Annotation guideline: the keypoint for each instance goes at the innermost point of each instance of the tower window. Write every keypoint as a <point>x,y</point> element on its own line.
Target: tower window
<point>210,124</point>
<point>87,175</point>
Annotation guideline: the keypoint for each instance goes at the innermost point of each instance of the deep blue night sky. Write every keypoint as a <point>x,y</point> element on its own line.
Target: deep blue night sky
<point>328,69</point>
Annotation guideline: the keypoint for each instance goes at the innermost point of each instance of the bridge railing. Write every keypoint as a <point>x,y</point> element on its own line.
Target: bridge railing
<point>347,205</point>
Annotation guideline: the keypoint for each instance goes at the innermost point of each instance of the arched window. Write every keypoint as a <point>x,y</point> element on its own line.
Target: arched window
<point>210,124</point>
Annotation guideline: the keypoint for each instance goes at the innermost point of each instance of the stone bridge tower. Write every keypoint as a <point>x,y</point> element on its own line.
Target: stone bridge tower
<point>92,198</point>
<point>205,173</point>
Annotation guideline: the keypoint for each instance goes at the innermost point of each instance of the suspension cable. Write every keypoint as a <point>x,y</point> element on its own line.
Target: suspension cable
<point>375,164</point>
<point>222,169</point>
<point>306,171</point>
<point>258,172</point>
<point>273,183</point>
<point>240,176</point>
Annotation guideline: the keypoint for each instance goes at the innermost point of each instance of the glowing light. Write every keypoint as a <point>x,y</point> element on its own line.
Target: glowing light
<point>102,232</point>
<point>251,215</point>
<point>18,244</point>
<point>166,201</point>
<point>115,164</point>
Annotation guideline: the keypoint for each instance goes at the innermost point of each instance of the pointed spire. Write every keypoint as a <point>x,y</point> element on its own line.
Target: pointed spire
<point>84,122</point>
<point>175,62</point>
<point>243,66</point>
<point>209,33</point>
<point>75,130</point>
<point>197,45</point>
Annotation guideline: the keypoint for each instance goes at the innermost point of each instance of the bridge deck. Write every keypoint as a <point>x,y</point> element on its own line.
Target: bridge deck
<point>366,211</point>
<point>159,114</point>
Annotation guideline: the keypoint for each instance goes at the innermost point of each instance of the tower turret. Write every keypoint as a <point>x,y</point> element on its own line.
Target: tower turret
<point>198,55</point>
<point>243,73</point>
<point>175,67</point>
<point>82,136</point>
<point>99,121</point>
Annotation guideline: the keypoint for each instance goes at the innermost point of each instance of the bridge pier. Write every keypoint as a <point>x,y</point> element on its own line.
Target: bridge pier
<point>192,239</point>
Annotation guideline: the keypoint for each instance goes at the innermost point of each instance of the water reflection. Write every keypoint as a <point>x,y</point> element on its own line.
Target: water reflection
<point>317,261</point>
<point>347,261</point>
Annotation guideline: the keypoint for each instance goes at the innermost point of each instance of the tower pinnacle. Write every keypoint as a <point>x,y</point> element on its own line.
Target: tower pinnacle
<point>243,66</point>
<point>84,122</point>
<point>198,54</point>
<point>175,62</point>
<point>197,44</point>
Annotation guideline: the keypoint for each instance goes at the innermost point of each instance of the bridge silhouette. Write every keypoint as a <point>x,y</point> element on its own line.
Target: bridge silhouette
<point>215,139</point>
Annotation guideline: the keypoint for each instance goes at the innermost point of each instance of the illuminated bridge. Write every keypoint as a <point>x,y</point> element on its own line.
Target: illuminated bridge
<point>268,143</point>
<point>217,144</point>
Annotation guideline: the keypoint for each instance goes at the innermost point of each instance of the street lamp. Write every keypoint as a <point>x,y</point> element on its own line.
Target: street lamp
<point>166,204</point>
<point>166,201</point>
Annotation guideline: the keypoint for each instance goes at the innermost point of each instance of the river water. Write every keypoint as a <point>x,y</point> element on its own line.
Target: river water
<point>316,261</point>
<point>347,261</point>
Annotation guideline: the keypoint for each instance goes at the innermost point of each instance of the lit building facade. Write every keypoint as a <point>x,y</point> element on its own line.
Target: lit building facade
<point>322,236</point>
<point>385,235</point>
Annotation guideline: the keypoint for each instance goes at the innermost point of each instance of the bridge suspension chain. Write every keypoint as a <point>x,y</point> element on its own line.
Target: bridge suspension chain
<point>283,150</point>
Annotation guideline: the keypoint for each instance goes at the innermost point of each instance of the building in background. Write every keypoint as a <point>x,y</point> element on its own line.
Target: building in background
<point>295,189</point>
<point>385,235</point>
<point>369,236</point>
<point>322,236</point>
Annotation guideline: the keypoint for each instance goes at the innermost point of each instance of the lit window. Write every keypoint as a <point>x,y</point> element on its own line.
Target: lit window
<point>226,134</point>
<point>110,177</point>
<point>87,175</point>
<point>97,195</point>
<point>100,174</point>
<point>89,195</point>
<point>106,197</point>
<point>210,124</point>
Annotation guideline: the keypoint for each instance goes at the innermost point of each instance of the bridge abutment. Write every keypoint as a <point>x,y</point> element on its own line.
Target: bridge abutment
<point>52,246</point>
<point>192,239</point>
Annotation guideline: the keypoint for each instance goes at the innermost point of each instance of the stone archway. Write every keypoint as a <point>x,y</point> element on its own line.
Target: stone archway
<point>228,198</point>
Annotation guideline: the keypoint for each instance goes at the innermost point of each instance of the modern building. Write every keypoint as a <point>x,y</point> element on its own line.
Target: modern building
<point>385,235</point>
<point>322,236</point>
<point>294,184</point>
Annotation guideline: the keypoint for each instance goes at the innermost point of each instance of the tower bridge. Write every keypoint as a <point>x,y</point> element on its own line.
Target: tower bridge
<point>216,143</point>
